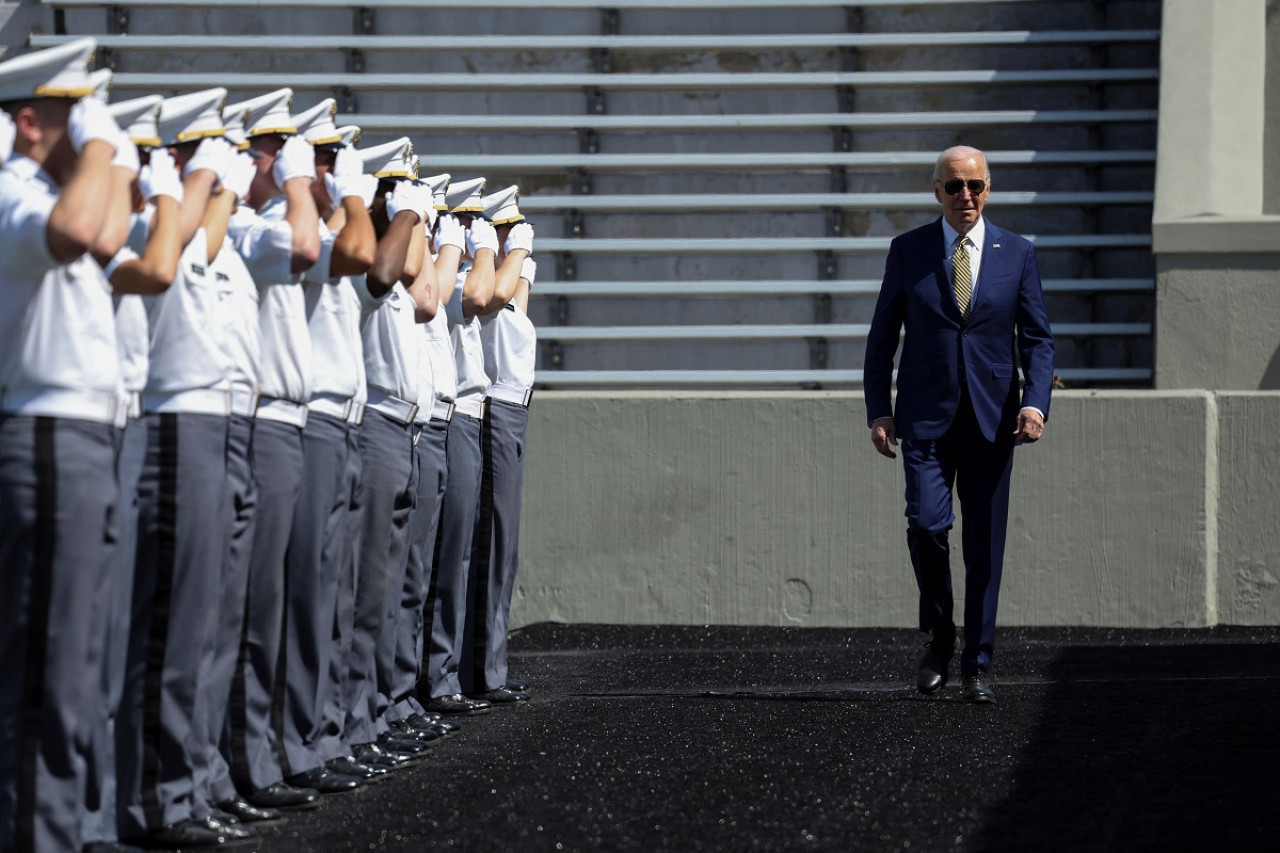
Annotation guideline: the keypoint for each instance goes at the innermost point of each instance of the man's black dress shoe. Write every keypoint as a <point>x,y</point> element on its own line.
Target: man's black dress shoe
<point>501,696</point>
<point>975,689</point>
<point>372,753</point>
<point>221,816</point>
<point>347,765</point>
<point>246,812</point>
<point>517,685</point>
<point>325,781</point>
<point>199,832</point>
<point>933,668</point>
<point>285,797</point>
<point>456,703</point>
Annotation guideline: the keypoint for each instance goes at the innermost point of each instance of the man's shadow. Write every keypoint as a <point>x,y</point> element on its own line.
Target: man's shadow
<point>1158,748</point>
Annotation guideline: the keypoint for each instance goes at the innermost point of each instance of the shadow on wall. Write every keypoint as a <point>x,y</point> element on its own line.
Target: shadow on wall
<point>1271,377</point>
<point>1175,750</point>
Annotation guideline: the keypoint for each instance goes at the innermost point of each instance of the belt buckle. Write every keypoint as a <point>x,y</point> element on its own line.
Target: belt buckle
<point>413,413</point>
<point>528,397</point>
<point>448,417</point>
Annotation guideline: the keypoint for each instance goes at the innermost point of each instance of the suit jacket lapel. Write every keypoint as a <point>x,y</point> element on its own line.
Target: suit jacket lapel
<point>990,257</point>
<point>940,266</point>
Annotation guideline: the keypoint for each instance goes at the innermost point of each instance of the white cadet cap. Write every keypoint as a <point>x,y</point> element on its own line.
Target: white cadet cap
<point>350,134</point>
<point>316,124</point>
<point>390,160</point>
<point>465,197</point>
<point>59,72</point>
<point>233,117</point>
<point>191,117</point>
<point>268,115</point>
<point>101,80</point>
<point>439,184</point>
<point>500,208</point>
<point>138,118</point>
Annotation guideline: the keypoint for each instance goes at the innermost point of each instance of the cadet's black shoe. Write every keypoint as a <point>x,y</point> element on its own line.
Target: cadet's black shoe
<point>372,753</point>
<point>501,696</point>
<point>199,832</point>
<point>246,812</point>
<point>348,766</point>
<point>517,685</point>
<point>933,668</point>
<point>456,703</point>
<point>432,723</point>
<point>976,690</point>
<point>325,781</point>
<point>405,729</point>
<point>398,743</point>
<point>285,797</point>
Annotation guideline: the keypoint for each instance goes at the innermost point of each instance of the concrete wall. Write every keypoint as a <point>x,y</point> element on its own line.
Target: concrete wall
<point>1215,231</point>
<point>774,509</point>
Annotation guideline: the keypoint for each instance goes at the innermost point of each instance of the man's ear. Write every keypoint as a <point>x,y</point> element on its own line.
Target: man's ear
<point>26,120</point>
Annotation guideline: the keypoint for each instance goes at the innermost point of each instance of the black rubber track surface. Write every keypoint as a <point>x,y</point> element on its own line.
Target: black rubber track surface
<point>739,739</point>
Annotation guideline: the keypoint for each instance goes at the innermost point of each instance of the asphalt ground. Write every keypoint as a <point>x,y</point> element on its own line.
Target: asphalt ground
<point>740,739</point>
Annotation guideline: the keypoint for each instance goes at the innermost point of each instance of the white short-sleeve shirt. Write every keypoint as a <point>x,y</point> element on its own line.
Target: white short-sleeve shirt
<point>390,342</point>
<point>265,243</point>
<point>510,347</point>
<point>468,350</point>
<point>57,324</point>
<point>333,318</point>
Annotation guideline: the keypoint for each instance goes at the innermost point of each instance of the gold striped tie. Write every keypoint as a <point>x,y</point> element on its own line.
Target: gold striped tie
<point>961,277</point>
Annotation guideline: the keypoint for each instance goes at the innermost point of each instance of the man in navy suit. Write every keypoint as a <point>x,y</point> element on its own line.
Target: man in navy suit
<point>966,297</point>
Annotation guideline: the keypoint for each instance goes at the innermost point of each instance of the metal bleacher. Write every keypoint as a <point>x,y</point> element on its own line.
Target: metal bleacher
<point>714,183</point>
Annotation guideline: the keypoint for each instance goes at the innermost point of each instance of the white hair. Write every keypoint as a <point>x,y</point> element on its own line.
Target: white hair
<point>957,152</point>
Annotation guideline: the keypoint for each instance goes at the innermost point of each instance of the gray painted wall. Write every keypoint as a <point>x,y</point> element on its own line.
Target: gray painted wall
<point>774,509</point>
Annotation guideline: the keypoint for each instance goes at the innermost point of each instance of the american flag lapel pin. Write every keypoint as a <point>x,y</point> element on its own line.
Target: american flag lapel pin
<point>995,245</point>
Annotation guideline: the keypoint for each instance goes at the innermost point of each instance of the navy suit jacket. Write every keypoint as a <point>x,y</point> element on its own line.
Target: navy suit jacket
<point>1007,319</point>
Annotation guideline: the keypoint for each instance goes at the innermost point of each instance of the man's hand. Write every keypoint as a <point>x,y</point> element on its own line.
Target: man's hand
<point>884,435</point>
<point>1030,426</point>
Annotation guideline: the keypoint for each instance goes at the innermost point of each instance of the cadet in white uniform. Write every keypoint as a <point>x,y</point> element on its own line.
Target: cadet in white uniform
<point>462,491</point>
<point>318,547</point>
<point>241,339</point>
<point>60,401</point>
<point>161,188</point>
<point>436,363</point>
<point>277,234</point>
<point>386,438</point>
<point>182,523</point>
<point>510,352</point>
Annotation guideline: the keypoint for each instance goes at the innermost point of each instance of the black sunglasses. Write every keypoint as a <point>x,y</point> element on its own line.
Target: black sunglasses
<point>954,186</point>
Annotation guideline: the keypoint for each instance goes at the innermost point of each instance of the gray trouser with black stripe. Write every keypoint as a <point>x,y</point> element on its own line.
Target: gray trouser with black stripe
<point>277,475</point>
<point>334,698</point>
<point>241,501</point>
<point>114,606</point>
<point>495,555</point>
<point>316,551</point>
<point>407,616</point>
<point>57,499</point>
<point>390,488</point>
<point>447,600</point>
<point>182,528</point>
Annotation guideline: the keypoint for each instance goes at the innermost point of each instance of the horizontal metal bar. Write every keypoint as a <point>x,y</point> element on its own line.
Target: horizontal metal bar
<point>774,162</point>
<point>676,81</point>
<point>862,287</point>
<point>674,5</point>
<point>699,43</point>
<point>809,201</point>
<point>845,245</point>
<point>796,378</point>
<point>785,331</point>
<point>704,121</point>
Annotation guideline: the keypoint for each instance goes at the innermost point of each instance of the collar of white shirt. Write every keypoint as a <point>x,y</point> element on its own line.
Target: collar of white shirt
<point>976,235</point>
